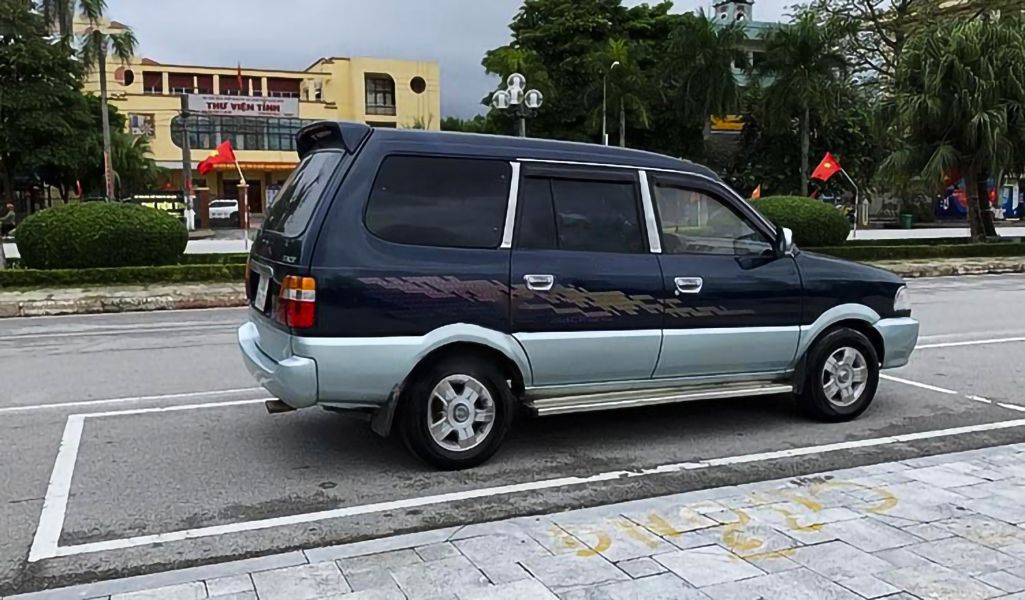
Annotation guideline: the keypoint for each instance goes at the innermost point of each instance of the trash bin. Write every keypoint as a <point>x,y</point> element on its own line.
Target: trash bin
<point>905,220</point>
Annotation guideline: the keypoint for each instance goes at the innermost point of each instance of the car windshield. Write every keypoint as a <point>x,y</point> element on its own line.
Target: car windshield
<point>300,194</point>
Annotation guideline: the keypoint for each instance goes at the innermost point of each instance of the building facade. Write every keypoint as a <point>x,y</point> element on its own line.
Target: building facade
<point>379,92</point>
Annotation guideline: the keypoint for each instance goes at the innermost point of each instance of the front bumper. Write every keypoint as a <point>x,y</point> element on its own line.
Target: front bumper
<point>292,379</point>
<point>900,336</point>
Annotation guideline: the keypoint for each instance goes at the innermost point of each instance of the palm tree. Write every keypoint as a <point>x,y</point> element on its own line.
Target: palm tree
<point>59,15</point>
<point>622,85</point>
<point>97,44</point>
<point>703,66</point>
<point>959,107</point>
<point>802,70</point>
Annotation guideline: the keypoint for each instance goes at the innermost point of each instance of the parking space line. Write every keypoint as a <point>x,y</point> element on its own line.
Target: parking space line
<point>970,343</point>
<point>49,549</point>
<point>55,503</point>
<point>918,384</point>
<point>127,400</point>
<point>45,544</point>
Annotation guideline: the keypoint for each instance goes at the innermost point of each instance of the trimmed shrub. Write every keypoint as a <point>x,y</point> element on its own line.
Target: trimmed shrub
<point>924,252</point>
<point>813,222</point>
<point>100,234</point>
<point>121,276</point>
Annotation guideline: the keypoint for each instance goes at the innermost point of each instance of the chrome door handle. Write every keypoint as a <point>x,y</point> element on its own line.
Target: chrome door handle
<point>539,283</point>
<point>689,285</point>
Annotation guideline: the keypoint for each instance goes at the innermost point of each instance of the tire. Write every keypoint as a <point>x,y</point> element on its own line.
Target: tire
<point>460,422</point>
<point>833,390</point>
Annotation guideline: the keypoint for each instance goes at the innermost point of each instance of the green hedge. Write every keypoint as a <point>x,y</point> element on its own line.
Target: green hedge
<point>121,275</point>
<point>922,252</point>
<point>100,234</point>
<point>813,222</point>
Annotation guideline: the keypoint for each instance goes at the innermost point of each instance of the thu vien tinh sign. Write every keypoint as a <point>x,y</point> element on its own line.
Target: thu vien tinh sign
<point>243,106</point>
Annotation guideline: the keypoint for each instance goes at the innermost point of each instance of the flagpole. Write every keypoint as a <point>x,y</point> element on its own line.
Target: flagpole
<point>242,181</point>
<point>857,200</point>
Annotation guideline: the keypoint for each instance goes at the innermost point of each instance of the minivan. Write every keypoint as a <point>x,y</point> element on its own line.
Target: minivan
<point>441,283</point>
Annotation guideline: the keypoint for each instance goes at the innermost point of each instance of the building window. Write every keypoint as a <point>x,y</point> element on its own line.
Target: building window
<point>282,88</point>
<point>382,124</point>
<point>204,84</point>
<point>181,83</point>
<point>245,133</point>
<point>380,94</point>
<point>152,83</point>
<point>418,85</point>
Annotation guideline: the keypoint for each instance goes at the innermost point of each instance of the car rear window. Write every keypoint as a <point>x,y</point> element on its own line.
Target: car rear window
<point>294,205</point>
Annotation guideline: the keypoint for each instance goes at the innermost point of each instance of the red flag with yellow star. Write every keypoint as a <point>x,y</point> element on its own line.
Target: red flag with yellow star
<point>222,155</point>
<point>827,168</point>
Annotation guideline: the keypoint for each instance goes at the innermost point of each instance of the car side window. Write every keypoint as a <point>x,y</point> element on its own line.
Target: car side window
<point>440,201</point>
<point>694,222</point>
<point>580,215</point>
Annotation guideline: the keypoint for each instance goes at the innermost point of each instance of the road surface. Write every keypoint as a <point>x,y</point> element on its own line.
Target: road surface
<point>148,437</point>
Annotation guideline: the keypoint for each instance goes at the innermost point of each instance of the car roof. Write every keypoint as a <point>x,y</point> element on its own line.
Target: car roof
<point>450,142</point>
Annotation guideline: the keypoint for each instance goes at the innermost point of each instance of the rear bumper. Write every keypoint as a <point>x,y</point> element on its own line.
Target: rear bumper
<point>900,336</point>
<point>292,379</point>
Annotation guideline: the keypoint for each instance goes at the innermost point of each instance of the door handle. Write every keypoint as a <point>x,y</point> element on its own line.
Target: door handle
<point>689,285</point>
<point>539,283</point>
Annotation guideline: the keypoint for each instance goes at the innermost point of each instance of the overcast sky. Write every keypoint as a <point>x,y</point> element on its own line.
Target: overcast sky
<point>291,34</point>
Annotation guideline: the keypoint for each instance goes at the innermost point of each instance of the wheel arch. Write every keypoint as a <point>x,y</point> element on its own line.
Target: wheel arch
<point>501,349</point>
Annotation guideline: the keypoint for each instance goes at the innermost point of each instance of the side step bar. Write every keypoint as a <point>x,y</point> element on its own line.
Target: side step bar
<point>636,398</point>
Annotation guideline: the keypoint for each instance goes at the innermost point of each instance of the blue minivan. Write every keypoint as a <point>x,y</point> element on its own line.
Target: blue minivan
<point>439,283</point>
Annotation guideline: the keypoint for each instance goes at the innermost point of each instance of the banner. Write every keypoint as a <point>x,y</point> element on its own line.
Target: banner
<point>243,106</point>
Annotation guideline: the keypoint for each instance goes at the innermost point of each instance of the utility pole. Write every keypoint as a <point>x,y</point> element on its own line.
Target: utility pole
<point>186,161</point>
<point>604,105</point>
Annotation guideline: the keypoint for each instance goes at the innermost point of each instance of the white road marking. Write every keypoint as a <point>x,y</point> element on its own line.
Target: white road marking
<point>970,343</point>
<point>55,503</point>
<point>978,398</point>
<point>52,518</point>
<point>918,384</point>
<point>1011,406</point>
<point>127,400</point>
<point>162,409</point>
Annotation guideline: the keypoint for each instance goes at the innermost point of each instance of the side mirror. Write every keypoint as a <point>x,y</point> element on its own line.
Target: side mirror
<point>784,241</point>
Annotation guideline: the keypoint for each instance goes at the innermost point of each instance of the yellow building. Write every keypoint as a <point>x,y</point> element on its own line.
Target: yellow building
<point>380,92</point>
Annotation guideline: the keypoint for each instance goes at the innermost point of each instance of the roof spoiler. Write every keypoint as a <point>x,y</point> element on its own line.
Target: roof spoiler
<point>330,134</point>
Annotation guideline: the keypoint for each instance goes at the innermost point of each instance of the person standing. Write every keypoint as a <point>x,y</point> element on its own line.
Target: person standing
<point>7,221</point>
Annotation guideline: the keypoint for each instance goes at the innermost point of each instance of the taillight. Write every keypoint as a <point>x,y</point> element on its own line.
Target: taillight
<point>297,301</point>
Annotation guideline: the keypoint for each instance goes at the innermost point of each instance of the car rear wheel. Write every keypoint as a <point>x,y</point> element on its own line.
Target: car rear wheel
<point>841,377</point>
<point>456,413</point>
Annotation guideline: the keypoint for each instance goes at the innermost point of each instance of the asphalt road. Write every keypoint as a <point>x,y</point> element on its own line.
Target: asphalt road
<point>141,477</point>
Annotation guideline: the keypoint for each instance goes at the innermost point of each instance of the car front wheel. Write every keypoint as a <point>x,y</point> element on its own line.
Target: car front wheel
<point>455,414</point>
<point>841,377</point>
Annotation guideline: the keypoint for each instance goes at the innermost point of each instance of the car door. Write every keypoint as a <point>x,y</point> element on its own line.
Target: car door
<point>585,288</point>
<point>732,305</point>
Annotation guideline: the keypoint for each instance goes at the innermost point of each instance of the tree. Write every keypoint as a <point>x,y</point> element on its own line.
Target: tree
<point>555,44</point>
<point>702,62</point>
<point>624,86</point>
<point>97,45</point>
<point>59,15</point>
<point>802,70</point>
<point>959,108</point>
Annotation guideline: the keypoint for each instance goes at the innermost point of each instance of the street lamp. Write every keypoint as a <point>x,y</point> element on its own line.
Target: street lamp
<point>522,103</point>
<point>604,101</point>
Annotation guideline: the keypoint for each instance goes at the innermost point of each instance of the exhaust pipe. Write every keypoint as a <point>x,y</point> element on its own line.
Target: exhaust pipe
<point>277,406</point>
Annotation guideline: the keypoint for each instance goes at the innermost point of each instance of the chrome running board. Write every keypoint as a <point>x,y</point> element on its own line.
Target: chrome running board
<point>635,398</point>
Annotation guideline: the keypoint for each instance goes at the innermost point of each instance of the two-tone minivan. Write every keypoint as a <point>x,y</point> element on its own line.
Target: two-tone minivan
<point>440,283</point>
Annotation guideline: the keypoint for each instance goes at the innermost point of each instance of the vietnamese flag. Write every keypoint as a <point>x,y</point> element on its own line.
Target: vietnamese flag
<point>224,154</point>
<point>827,168</point>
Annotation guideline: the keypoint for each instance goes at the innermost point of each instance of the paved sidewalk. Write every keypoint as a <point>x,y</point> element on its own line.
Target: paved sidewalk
<point>949,526</point>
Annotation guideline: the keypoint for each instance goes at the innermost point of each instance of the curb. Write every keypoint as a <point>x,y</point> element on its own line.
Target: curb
<point>114,304</point>
<point>915,271</point>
